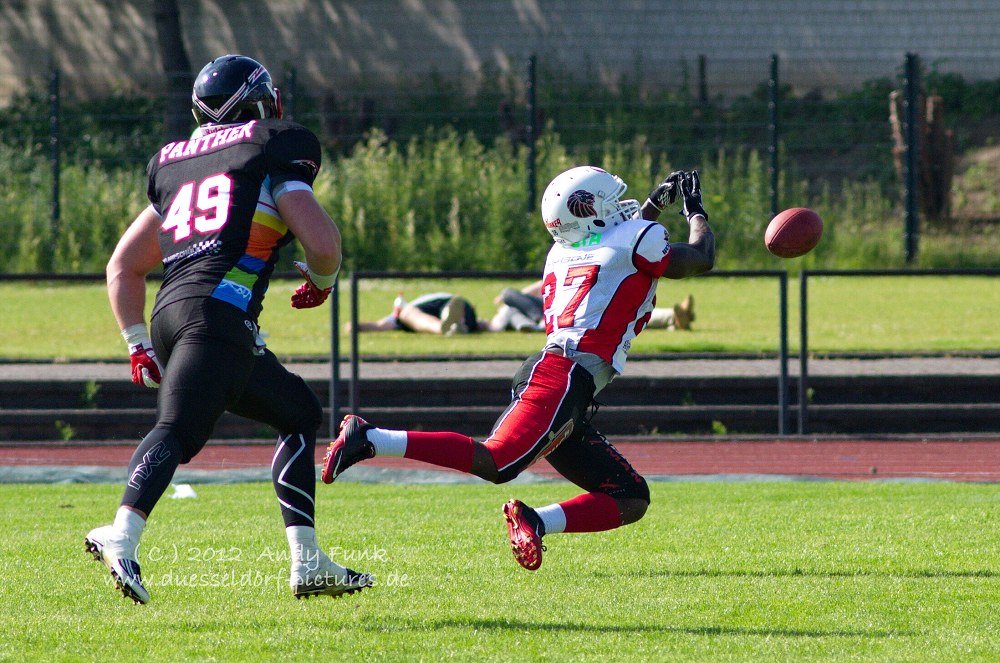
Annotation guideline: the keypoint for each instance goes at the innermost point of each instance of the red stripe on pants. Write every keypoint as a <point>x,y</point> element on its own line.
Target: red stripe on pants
<point>524,428</point>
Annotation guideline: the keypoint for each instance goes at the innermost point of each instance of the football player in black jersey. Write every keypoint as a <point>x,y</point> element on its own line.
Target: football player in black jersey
<point>221,205</point>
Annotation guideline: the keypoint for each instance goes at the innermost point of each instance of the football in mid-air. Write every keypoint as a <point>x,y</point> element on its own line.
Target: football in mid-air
<point>793,233</point>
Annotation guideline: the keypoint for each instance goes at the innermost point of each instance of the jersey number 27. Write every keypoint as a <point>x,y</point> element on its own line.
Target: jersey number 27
<point>580,277</point>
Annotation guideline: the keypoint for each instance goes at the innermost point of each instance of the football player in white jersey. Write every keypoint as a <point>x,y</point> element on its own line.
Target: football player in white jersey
<point>598,290</point>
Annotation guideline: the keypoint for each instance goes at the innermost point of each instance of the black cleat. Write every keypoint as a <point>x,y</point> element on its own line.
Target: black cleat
<point>350,447</point>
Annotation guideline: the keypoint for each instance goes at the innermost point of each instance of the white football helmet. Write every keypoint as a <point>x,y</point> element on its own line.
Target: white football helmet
<point>583,201</point>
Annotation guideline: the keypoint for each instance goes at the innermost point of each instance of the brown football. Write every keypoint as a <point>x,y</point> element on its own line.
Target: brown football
<point>793,233</point>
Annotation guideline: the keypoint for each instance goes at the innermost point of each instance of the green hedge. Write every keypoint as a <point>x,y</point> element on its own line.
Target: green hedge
<point>445,201</point>
<point>446,190</point>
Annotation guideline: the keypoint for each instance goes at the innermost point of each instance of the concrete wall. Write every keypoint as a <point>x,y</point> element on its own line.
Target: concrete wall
<point>109,45</point>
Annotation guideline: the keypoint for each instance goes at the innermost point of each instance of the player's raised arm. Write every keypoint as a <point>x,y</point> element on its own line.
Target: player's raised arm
<point>697,255</point>
<point>664,194</point>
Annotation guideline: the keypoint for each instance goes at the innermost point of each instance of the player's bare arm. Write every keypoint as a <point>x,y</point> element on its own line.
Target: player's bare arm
<point>697,255</point>
<point>320,239</point>
<point>135,256</point>
<point>315,230</point>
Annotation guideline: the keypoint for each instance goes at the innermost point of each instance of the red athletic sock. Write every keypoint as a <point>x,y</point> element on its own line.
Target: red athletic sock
<point>591,512</point>
<point>442,449</point>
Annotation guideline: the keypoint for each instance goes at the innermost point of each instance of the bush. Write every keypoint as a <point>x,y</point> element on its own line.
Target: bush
<point>447,202</point>
<point>450,192</point>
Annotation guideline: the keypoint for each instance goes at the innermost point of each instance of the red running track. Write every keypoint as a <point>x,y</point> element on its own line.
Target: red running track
<point>943,459</point>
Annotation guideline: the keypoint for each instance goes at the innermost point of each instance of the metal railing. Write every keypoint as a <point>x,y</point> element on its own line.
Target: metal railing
<point>355,357</point>
<point>783,424</point>
<point>806,274</point>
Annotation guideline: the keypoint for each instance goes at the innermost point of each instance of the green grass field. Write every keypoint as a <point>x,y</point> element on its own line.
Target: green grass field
<point>847,314</point>
<point>792,571</point>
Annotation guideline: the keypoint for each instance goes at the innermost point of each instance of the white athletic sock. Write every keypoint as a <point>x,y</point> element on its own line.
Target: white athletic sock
<point>553,518</point>
<point>129,523</point>
<point>302,543</point>
<point>388,442</point>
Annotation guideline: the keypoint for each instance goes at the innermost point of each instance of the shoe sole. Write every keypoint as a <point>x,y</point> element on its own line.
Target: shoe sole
<point>121,585</point>
<point>337,595</point>
<point>454,317</point>
<point>514,533</point>
<point>332,465</point>
<point>333,592</point>
<point>331,461</point>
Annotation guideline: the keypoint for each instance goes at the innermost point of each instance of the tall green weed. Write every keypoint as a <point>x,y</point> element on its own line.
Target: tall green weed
<point>96,206</point>
<point>446,201</point>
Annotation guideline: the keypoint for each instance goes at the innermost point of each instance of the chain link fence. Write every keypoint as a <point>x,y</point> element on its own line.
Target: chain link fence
<point>807,124</point>
<point>825,135</point>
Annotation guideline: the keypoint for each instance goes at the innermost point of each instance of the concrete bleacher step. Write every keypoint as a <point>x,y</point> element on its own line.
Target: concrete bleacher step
<point>115,409</point>
<point>624,420</point>
<point>626,390</point>
<point>104,424</point>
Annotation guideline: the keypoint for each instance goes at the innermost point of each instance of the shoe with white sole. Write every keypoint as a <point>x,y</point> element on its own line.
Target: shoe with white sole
<point>117,552</point>
<point>323,577</point>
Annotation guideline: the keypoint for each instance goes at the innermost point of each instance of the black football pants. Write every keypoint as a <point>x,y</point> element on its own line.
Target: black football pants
<point>207,348</point>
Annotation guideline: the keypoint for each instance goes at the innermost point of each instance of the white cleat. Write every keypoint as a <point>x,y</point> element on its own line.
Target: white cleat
<point>114,549</point>
<point>323,577</point>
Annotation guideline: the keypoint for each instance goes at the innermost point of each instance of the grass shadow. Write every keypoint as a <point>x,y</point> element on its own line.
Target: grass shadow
<point>513,625</point>
<point>807,573</point>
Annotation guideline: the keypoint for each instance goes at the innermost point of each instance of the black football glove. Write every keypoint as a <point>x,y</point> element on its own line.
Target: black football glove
<point>690,187</point>
<point>666,192</point>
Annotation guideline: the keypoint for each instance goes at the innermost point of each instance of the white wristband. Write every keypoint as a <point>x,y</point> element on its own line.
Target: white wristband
<point>323,281</point>
<point>136,335</point>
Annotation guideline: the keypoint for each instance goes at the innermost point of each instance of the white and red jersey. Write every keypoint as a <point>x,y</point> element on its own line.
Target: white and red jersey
<point>599,293</point>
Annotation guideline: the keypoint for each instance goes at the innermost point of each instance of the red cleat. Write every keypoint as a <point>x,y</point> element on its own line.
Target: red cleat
<point>524,529</point>
<point>350,447</point>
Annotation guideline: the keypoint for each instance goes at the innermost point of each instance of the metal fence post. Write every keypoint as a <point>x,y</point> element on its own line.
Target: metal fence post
<point>531,131</point>
<point>56,166</point>
<point>772,132</point>
<point>911,98</point>
<point>334,396</point>
<point>783,353</point>
<point>803,350</point>
<point>355,396</point>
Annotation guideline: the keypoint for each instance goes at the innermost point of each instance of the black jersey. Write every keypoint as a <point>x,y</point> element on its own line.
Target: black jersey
<point>215,193</point>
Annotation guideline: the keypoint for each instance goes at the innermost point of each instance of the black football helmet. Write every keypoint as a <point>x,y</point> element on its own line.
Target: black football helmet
<point>234,88</point>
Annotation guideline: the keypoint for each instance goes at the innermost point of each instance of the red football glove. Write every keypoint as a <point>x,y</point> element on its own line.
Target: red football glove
<point>145,366</point>
<point>310,295</point>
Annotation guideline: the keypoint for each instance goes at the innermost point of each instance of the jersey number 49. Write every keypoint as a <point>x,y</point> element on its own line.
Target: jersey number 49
<point>207,211</point>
